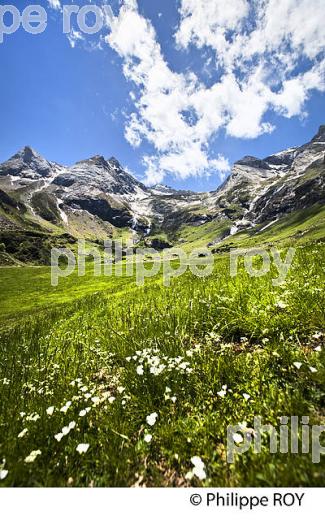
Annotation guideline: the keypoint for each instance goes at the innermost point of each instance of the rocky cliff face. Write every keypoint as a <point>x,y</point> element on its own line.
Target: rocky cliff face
<point>95,196</point>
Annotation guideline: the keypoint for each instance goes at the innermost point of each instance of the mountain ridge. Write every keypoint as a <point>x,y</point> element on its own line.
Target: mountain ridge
<point>95,197</point>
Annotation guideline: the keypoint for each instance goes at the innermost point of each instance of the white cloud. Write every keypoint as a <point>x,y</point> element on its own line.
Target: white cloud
<point>268,55</point>
<point>74,36</point>
<point>163,102</point>
<point>54,4</point>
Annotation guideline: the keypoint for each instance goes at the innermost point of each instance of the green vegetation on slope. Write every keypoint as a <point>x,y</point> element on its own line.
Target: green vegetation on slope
<point>93,373</point>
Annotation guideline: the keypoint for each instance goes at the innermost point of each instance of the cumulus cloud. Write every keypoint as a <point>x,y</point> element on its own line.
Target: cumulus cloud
<point>257,46</point>
<point>259,56</point>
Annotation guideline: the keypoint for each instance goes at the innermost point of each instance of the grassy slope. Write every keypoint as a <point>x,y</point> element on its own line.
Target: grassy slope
<point>96,341</point>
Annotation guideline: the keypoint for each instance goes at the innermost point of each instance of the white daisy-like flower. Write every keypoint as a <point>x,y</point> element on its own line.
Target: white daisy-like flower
<point>3,474</point>
<point>222,393</point>
<point>313,370</point>
<point>199,472</point>
<point>199,467</point>
<point>22,433</point>
<point>246,397</point>
<point>95,400</point>
<point>66,407</point>
<point>32,456</point>
<point>140,370</point>
<point>152,418</point>
<point>297,364</point>
<point>65,430</point>
<point>111,399</point>
<point>238,438</point>
<point>148,438</point>
<point>59,437</point>
<point>82,448</point>
<point>82,413</point>
<point>50,410</point>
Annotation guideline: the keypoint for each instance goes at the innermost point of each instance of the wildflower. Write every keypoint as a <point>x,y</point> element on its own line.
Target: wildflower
<point>72,425</point>
<point>148,438</point>
<point>82,413</point>
<point>281,305</point>
<point>222,393</point>
<point>313,369</point>
<point>65,430</point>
<point>32,456</point>
<point>82,448</point>
<point>66,407</point>
<point>120,389</point>
<point>246,397</point>
<point>238,438</point>
<point>95,400</point>
<point>198,469</point>
<point>59,437</point>
<point>50,410</point>
<point>140,370</point>
<point>22,433</point>
<point>111,399</point>
<point>3,474</point>
<point>33,417</point>
<point>173,399</point>
<point>151,419</point>
<point>318,349</point>
<point>297,364</point>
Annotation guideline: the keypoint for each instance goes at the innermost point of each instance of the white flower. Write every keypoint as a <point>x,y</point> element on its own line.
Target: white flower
<point>65,430</point>
<point>111,399</point>
<point>281,305</point>
<point>199,472</point>
<point>82,448</point>
<point>82,413</point>
<point>33,417</point>
<point>95,400</point>
<point>151,419</point>
<point>32,456</point>
<point>22,433</point>
<point>222,393</point>
<point>313,369</point>
<point>50,410</point>
<point>173,399</point>
<point>297,364</point>
<point>318,349</point>
<point>120,389</point>
<point>198,469</point>
<point>72,425</point>
<point>66,407</point>
<point>148,438</point>
<point>189,475</point>
<point>3,474</point>
<point>59,437</point>
<point>140,370</point>
<point>246,396</point>
<point>238,438</point>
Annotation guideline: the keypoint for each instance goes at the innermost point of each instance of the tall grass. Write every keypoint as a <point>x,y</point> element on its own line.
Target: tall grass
<point>95,371</point>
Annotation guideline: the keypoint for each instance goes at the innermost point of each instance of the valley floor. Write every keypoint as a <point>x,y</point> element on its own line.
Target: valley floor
<point>104,383</point>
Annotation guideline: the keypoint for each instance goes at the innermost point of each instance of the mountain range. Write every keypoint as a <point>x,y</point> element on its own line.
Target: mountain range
<point>43,203</point>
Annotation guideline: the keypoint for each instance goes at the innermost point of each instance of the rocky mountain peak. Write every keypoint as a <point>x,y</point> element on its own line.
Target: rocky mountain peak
<point>253,162</point>
<point>320,136</point>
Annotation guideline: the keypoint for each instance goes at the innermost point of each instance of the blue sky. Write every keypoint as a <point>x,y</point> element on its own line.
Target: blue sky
<point>176,90</point>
